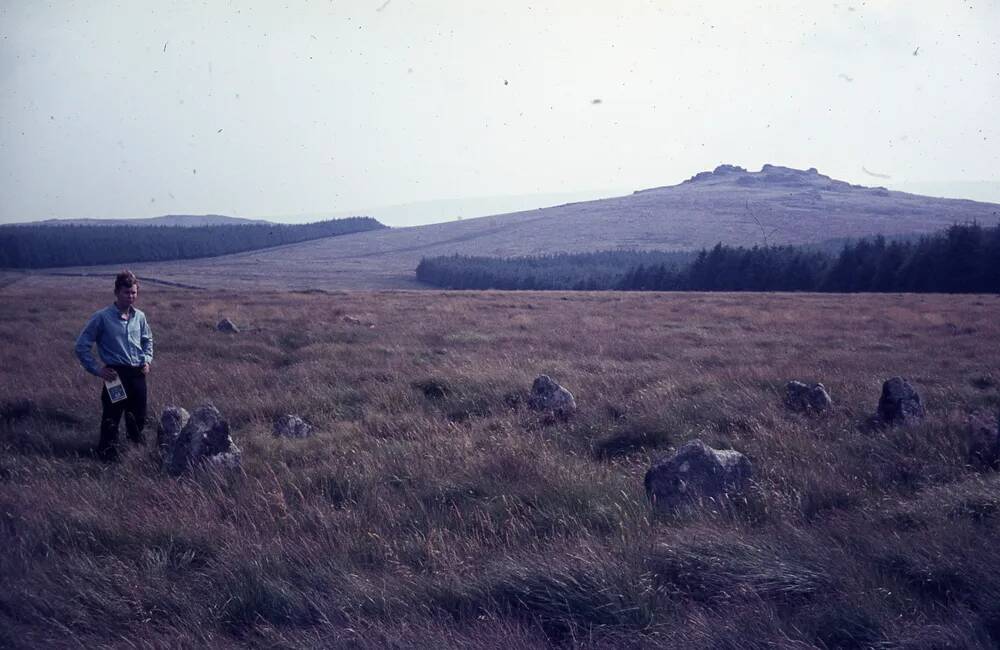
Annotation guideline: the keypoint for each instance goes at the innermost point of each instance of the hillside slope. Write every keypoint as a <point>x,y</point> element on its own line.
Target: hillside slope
<point>777,205</point>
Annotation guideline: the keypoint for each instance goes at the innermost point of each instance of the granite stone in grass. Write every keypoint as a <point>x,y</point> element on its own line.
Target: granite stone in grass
<point>807,398</point>
<point>204,439</point>
<point>696,471</point>
<point>900,403</point>
<point>547,395</point>
<point>172,421</point>
<point>227,326</point>
<point>291,426</point>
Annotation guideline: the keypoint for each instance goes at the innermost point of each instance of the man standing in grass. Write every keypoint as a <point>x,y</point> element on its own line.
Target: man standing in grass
<point>125,345</point>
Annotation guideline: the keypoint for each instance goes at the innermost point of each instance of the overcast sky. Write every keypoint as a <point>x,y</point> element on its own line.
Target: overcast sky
<point>135,108</point>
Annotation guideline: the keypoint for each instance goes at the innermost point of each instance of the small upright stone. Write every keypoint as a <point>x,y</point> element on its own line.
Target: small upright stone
<point>228,326</point>
<point>806,398</point>
<point>900,403</point>
<point>696,471</point>
<point>547,395</point>
<point>291,426</point>
<point>172,421</point>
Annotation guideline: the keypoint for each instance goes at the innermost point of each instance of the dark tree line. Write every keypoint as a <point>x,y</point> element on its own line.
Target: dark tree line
<point>33,247</point>
<point>580,271</point>
<point>727,268</point>
<point>962,259</point>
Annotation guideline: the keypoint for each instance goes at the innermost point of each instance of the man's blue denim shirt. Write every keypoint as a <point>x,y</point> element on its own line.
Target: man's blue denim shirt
<point>120,342</point>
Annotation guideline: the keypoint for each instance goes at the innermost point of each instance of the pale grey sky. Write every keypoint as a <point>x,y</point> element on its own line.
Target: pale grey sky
<point>137,108</point>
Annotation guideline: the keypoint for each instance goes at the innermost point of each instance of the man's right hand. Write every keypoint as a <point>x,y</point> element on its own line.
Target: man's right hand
<point>108,374</point>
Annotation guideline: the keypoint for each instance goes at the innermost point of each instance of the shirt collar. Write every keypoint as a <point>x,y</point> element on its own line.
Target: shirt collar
<point>118,312</point>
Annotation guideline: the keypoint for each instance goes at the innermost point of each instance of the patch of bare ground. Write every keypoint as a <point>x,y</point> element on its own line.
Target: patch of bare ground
<point>433,510</point>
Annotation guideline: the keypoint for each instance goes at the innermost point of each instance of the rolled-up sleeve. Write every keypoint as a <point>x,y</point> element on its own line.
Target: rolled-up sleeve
<point>85,344</point>
<point>146,339</point>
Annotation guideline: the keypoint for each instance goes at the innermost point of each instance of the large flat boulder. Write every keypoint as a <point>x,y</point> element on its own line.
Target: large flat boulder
<point>694,472</point>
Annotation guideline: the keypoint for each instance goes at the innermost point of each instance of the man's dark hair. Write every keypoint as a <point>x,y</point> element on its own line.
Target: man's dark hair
<point>125,279</point>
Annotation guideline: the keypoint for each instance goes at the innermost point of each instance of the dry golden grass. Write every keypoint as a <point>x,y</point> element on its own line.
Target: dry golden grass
<point>432,511</point>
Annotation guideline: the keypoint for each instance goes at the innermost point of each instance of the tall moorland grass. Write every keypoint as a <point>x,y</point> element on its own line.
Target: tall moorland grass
<point>433,510</point>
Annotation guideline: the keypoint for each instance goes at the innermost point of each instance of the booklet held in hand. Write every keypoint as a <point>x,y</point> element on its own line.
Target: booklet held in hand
<point>115,390</point>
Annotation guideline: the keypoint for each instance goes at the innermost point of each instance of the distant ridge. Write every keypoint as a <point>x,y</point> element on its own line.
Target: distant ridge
<point>728,205</point>
<point>185,220</point>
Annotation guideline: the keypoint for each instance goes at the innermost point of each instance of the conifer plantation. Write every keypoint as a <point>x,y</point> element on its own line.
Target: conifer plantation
<point>962,259</point>
<point>45,246</point>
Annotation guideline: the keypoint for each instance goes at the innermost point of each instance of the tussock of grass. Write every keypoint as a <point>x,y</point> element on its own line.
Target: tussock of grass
<point>721,571</point>
<point>433,509</point>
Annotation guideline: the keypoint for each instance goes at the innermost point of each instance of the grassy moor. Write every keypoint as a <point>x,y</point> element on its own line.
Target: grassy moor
<point>432,509</point>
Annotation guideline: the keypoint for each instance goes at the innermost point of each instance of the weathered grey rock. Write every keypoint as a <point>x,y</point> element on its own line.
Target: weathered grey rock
<point>172,421</point>
<point>226,325</point>
<point>696,471</point>
<point>807,398</point>
<point>291,426</point>
<point>547,395</point>
<point>900,403</point>
<point>984,440</point>
<point>203,439</point>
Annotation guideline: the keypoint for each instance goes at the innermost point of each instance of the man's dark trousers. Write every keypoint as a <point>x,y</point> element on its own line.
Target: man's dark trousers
<point>133,406</point>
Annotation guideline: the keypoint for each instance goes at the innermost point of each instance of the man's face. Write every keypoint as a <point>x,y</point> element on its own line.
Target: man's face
<point>125,296</point>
